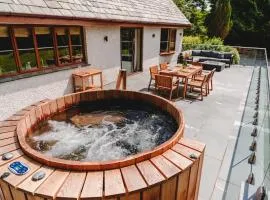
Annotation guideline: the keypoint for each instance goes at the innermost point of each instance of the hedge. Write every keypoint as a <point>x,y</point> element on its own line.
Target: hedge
<point>214,44</point>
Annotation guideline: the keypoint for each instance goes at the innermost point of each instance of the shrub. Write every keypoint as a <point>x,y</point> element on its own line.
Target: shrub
<point>213,44</point>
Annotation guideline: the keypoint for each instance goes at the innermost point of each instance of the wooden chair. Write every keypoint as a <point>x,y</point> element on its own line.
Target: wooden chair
<point>200,85</point>
<point>153,72</point>
<point>210,81</point>
<point>163,66</point>
<point>211,78</point>
<point>166,83</point>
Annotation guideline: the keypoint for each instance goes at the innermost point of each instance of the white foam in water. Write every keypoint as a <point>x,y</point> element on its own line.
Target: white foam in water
<point>104,142</point>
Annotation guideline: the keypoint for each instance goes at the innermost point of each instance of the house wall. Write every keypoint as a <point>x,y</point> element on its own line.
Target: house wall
<point>102,54</point>
<point>17,94</point>
<point>151,51</point>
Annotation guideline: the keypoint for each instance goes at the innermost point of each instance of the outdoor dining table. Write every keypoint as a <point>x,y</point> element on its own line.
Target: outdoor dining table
<point>81,78</point>
<point>184,73</point>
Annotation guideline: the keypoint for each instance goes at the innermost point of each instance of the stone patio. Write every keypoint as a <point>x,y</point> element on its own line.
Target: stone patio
<point>212,121</point>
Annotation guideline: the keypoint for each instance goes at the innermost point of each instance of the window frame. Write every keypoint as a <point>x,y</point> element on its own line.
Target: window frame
<point>169,41</point>
<point>39,68</point>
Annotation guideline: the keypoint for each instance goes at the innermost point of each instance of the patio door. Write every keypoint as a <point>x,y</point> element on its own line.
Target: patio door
<point>131,49</point>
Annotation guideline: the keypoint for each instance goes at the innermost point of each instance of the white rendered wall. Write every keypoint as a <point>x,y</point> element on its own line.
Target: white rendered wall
<point>151,51</point>
<point>151,46</point>
<point>102,54</point>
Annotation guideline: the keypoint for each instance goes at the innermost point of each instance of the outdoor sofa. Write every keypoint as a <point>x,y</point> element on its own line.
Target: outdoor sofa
<point>205,55</point>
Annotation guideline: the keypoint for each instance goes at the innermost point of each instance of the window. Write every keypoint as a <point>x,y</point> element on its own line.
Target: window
<point>167,41</point>
<point>7,61</point>
<point>26,49</point>
<point>63,45</point>
<point>76,44</point>
<point>45,46</point>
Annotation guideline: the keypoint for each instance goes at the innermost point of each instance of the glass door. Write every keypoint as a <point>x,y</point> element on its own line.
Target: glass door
<point>127,48</point>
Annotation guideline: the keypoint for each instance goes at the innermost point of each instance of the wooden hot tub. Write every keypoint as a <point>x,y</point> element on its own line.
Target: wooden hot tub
<point>170,171</point>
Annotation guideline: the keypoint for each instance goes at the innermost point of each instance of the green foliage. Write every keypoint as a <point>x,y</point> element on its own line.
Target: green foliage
<point>213,44</point>
<point>7,63</point>
<point>196,12</point>
<point>251,23</point>
<point>219,20</point>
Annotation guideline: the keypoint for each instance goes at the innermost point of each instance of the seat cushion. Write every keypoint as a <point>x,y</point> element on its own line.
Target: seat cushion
<point>196,52</point>
<point>227,55</point>
<point>206,53</point>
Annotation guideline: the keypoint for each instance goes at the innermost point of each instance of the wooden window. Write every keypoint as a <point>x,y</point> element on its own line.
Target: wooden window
<point>34,48</point>
<point>45,46</point>
<point>63,45</point>
<point>167,41</point>
<point>76,44</point>
<point>26,48</point>
<point>7,61</point>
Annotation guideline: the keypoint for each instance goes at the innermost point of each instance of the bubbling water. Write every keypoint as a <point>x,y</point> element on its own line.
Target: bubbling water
<point>97,134</point>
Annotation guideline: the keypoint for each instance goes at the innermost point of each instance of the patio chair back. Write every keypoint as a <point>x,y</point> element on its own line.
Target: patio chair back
<point>163,66</point>
<point>153,71</point>
<point>204,80</point>
<point>164,82</point>
<point>213,72</point>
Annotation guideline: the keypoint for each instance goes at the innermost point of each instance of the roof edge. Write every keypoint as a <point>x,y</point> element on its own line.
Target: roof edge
<point>44,16</point>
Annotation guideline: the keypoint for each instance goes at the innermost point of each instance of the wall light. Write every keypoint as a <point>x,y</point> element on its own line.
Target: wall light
<point>106,39</point>
<point>154,35</point>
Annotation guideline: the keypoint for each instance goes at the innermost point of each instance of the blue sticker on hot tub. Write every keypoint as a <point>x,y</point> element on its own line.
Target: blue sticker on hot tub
<point>18,168</point>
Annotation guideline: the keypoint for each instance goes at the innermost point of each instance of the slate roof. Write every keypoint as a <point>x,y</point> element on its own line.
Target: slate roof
<point>139,11</point>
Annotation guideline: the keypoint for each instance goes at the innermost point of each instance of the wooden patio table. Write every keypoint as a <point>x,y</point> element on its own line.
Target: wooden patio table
<point>180,72</point>
<point>83,77</point>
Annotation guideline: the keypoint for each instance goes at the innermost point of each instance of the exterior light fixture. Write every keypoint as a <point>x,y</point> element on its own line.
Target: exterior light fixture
<point>153,35</point>
<point>106,39</point>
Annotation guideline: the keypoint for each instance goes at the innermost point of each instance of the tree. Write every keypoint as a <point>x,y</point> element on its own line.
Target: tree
<point>251,23</point>
<point>219,20</point>
<point>196,12</point>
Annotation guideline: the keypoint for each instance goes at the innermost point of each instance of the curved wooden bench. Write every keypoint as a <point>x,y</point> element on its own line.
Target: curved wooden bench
<point>168,175</point>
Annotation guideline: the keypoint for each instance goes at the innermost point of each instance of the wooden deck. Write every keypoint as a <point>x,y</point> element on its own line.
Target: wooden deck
<point>170,174</point>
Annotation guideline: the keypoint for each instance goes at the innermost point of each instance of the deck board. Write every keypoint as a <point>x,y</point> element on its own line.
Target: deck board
<point>9,148</point>
<point>8,141</point>
<point>179,160</point>
<point>30,186</point>
<point>50,187</point>
<point>185,151</point>
<point>7,135</point>
<point>13,179</point>
<point>8,123</point>
<point>16,154</point>
<point>93,186</point>
<point>52,184</point>
<point>133,178</point>
<point>150,173</point>
<point>113,183</point>
<point>166,167</point>
<point>72,186</point>
<point>7,129</point>
<point>192,144</point>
